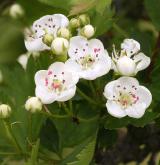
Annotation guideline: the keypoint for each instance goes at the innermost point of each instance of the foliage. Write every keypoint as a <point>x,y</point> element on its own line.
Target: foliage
<point>56,137</point>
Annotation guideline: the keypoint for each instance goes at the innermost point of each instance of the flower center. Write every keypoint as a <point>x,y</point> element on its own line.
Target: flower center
<point>54,84</point>
<point>126,99</point>
<point>86,62</point>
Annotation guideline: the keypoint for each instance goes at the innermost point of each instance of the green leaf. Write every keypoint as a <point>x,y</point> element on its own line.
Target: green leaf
<point>152,7</point>
<point>114,123</point>
<point>82,154</point>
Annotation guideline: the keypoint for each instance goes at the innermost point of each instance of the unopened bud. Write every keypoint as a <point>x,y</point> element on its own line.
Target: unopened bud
<point>5,111</point>
<point>16,11</point>
<point>64,33</point>
<point>47,39</point>
<point>84,19</point>
<point>60,46</point>
<point>33,104</point>
<point>87,31</point>
<point>74,23</point>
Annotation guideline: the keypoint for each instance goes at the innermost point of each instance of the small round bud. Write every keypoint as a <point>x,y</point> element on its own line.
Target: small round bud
<point>84,19</point>
<point>126,66</point>
<point>47,39</point>
<point>16,11</point>
<point>87,31</point>
<point>5,111</point>
<point>64,33</point>
<point>74,23</point>
<point>60,46</point>
<point>33,104</point>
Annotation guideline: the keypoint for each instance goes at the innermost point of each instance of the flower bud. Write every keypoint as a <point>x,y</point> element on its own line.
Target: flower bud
<point>64,33</point>
<point>5,111</point>
<point>60,46</point>
<point>87,31</point>
<point>126,66</point>
<point>84,19</point>
<point>74,23</point>
<point>16,11</point>
<point>33,104</point>
<point>47,39</point>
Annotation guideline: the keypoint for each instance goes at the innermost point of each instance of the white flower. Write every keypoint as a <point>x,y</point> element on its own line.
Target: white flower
<point>127,64</point>
<point>5,111</point>
<point>55,84</point>
<point>88,58</point>
<point>127,98</point>
<point>46,25</point>
<point>60,46</point>
<point>87,31</point>
<point>33,104</point>
<point>131,46</point>
<point>23,60</point>
<point>16,10</point>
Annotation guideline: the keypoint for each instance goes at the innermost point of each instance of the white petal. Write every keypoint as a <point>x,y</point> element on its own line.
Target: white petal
<point>96,46</point>
<point>62,19</point>
<point>67,95</point>
<point>142,61</point>
<point>35,45</point>
<point>136,111</point>
<point>76,46</point>
<point>144,95</point>
<point>131,46</point>
<point>40,77</point>
<point>109,90</point>
<point>49,23</point>
<point>115,109</point>
<point>128,82</point>
<point>45,96</point>
<point>57,67</point>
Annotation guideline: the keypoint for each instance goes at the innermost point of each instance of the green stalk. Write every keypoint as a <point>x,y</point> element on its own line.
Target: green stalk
<point>11,136</point>
<point>86,97</point>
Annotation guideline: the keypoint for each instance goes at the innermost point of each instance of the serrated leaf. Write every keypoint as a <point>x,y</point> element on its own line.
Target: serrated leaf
<point>82,154</point>
<point>85,156</point>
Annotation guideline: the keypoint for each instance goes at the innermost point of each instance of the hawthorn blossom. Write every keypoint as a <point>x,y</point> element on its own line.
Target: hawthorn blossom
<point>127,98</point>
<point>46,25</point>
<point>88,58</point>
<point>129,60</point>
<point>55,84</point>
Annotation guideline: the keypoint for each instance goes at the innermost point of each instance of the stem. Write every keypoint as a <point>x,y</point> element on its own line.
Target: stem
<point>66,109</point>
<point>30,126</point>
<point>86,97</point>
<point>71,106</point>
<point>120,30</point>
<point>11,136</point>
<point>49,114</point>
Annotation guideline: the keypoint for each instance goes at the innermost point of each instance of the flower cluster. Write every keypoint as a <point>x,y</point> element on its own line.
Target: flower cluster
<point>85,59</point>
